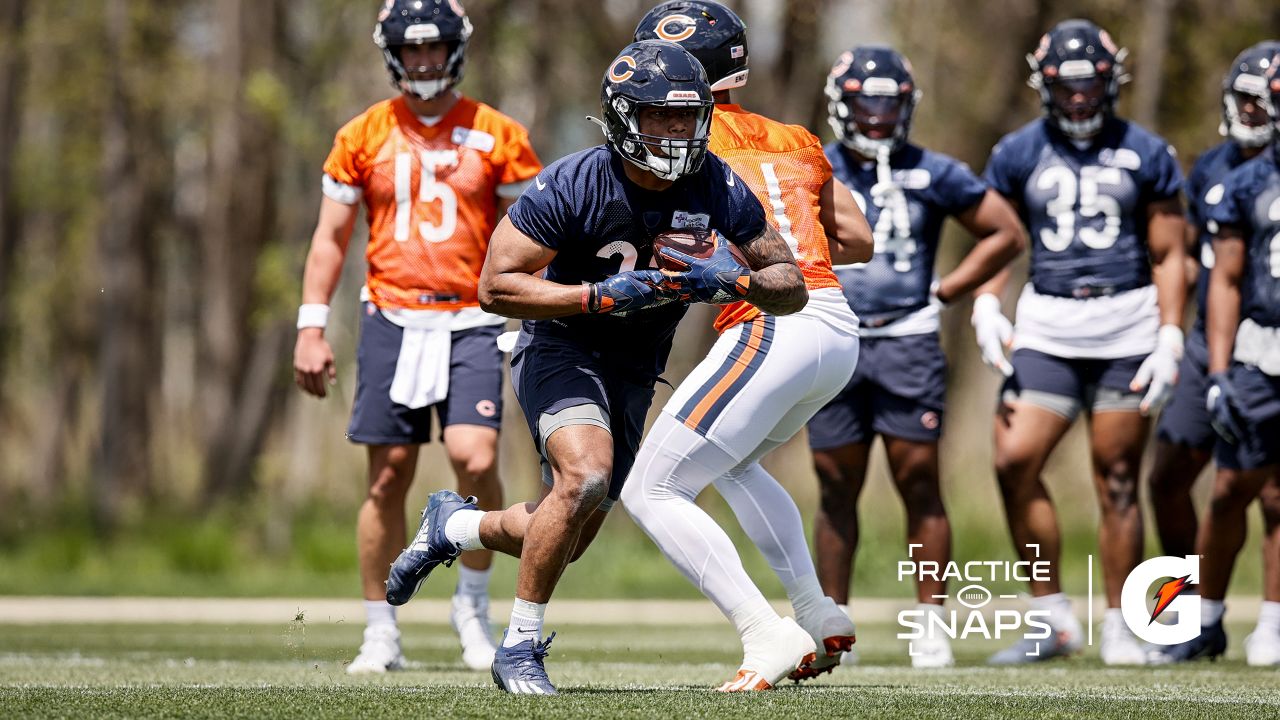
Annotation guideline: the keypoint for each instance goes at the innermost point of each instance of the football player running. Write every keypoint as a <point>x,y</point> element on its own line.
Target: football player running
<point>1185,437</point>
<point>898,390</point>
<point>1243,396</point>
<point>1098,325</point>
<point>765,376</point>
<point>434,170</point>
<point>597,332</point>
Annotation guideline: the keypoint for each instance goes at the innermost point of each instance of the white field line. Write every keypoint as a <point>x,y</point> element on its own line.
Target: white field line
<point>55,610</point>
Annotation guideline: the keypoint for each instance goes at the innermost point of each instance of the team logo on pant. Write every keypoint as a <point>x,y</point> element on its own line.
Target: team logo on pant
<point>1169,597</point>
<point>487,408</point>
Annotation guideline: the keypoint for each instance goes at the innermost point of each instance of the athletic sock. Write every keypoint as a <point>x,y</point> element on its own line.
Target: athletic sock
<point>1059,609</point>
<point>1211,611</point>
<point>930,608</point>
<point>463,529</point>
<point>379,612</point>
<point>753,616</point>
<point>1269,618</point>
<point>472,583</point>
<point>805,594</point>
<point>526,622</point>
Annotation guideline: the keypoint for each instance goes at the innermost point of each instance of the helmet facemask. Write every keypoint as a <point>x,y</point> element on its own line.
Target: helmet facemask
<point>877,117</point>
<point>669,158</point>
<point>1079,104</point>
<point>425,82</point>
<point>1247,112</point>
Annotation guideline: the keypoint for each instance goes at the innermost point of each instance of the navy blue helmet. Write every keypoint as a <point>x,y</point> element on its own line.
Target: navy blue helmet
<point>710,32</point>
<point>871,96</point>
<point>1245,96</point>
<point>419,22</point>
<point>656,73</point>
<point>1078,70</point>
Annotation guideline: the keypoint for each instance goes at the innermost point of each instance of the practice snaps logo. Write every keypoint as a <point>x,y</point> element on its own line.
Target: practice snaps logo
<point>1169,596</point>
<point>969,621</point>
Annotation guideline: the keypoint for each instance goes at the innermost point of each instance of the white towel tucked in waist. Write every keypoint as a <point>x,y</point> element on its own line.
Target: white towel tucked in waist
<point>1258,345</point>
<point>422,369</point>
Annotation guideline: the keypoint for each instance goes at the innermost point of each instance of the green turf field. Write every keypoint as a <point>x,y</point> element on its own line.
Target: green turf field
<point>296,670</point>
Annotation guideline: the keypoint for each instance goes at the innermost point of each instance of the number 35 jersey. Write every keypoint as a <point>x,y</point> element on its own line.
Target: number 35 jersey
<point>1085,208</point>
<point>430,192</point>
<point>896,281</point>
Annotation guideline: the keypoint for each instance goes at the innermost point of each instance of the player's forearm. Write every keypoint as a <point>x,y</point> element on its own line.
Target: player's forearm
<point>322,270</point>
<point>778,289</point>
<point>992,253</point>
<point>996,285</point>
<point>525,297</point>
<point>1223,321</point>
<point>1169,276</point>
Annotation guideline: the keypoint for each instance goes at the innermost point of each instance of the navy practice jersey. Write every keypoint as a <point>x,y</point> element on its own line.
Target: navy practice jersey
<point>1086,210</point>
<point>896,280</point>
<point>1204,190</point>
<point>599,223</point>
<point>1251,202</point>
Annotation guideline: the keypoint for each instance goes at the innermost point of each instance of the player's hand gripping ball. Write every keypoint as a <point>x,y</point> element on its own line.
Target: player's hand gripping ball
<point>701,266</point>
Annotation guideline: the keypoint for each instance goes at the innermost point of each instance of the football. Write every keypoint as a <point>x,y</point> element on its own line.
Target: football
<point>694,243</point>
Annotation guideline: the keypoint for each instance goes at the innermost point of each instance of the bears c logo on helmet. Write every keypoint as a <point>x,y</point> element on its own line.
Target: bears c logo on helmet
<point>676,27</point>
<point>623,68</point>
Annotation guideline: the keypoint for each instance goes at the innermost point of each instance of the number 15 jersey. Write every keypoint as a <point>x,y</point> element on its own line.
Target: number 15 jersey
<point>1085,207</point>
<point>431,195</point>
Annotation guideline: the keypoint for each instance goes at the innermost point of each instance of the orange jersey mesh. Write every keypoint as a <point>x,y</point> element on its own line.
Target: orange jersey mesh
<point>430,195</point>
<point>785,167</point>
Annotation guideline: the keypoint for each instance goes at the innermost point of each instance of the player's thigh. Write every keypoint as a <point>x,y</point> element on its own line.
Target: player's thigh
<point>375,418</point>
<point>844,421</point>
<point>914,467</point>
<point>764,380</point>
<point>1037,406</point>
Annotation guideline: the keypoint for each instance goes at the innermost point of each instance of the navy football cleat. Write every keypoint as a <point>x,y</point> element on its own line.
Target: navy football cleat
<point>429,547</point>
<point>519,670</point>
<point>1210,643</point>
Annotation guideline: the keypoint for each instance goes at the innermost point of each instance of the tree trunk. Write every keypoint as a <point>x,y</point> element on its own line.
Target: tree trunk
<point>240,221</point>
<point>1157,27</point>
<point>12,72</point>
<point>135,186</point>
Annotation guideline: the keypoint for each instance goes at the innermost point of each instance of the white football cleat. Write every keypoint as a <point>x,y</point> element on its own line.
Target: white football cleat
<point>1262,649</point>
<point>833,634</point>
<point>380,652</point>
<point>770,655</point>
<point>931,652</point>
<point>1119,646</point>
<point>469,616</point>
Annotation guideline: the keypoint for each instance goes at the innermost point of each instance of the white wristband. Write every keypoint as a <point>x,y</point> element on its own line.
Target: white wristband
<point>313,315</point>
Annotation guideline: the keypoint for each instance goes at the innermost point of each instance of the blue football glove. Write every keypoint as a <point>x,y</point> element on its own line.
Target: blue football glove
<point>1221,401</point>
<point>627,291</point>
<point>718,279</point>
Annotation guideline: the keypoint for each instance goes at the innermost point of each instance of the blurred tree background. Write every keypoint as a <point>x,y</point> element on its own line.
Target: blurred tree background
<point>159,177</point>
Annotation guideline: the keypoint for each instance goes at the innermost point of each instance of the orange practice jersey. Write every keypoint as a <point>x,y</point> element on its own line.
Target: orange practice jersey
<point>431,196</point>
<point>785,167</point>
